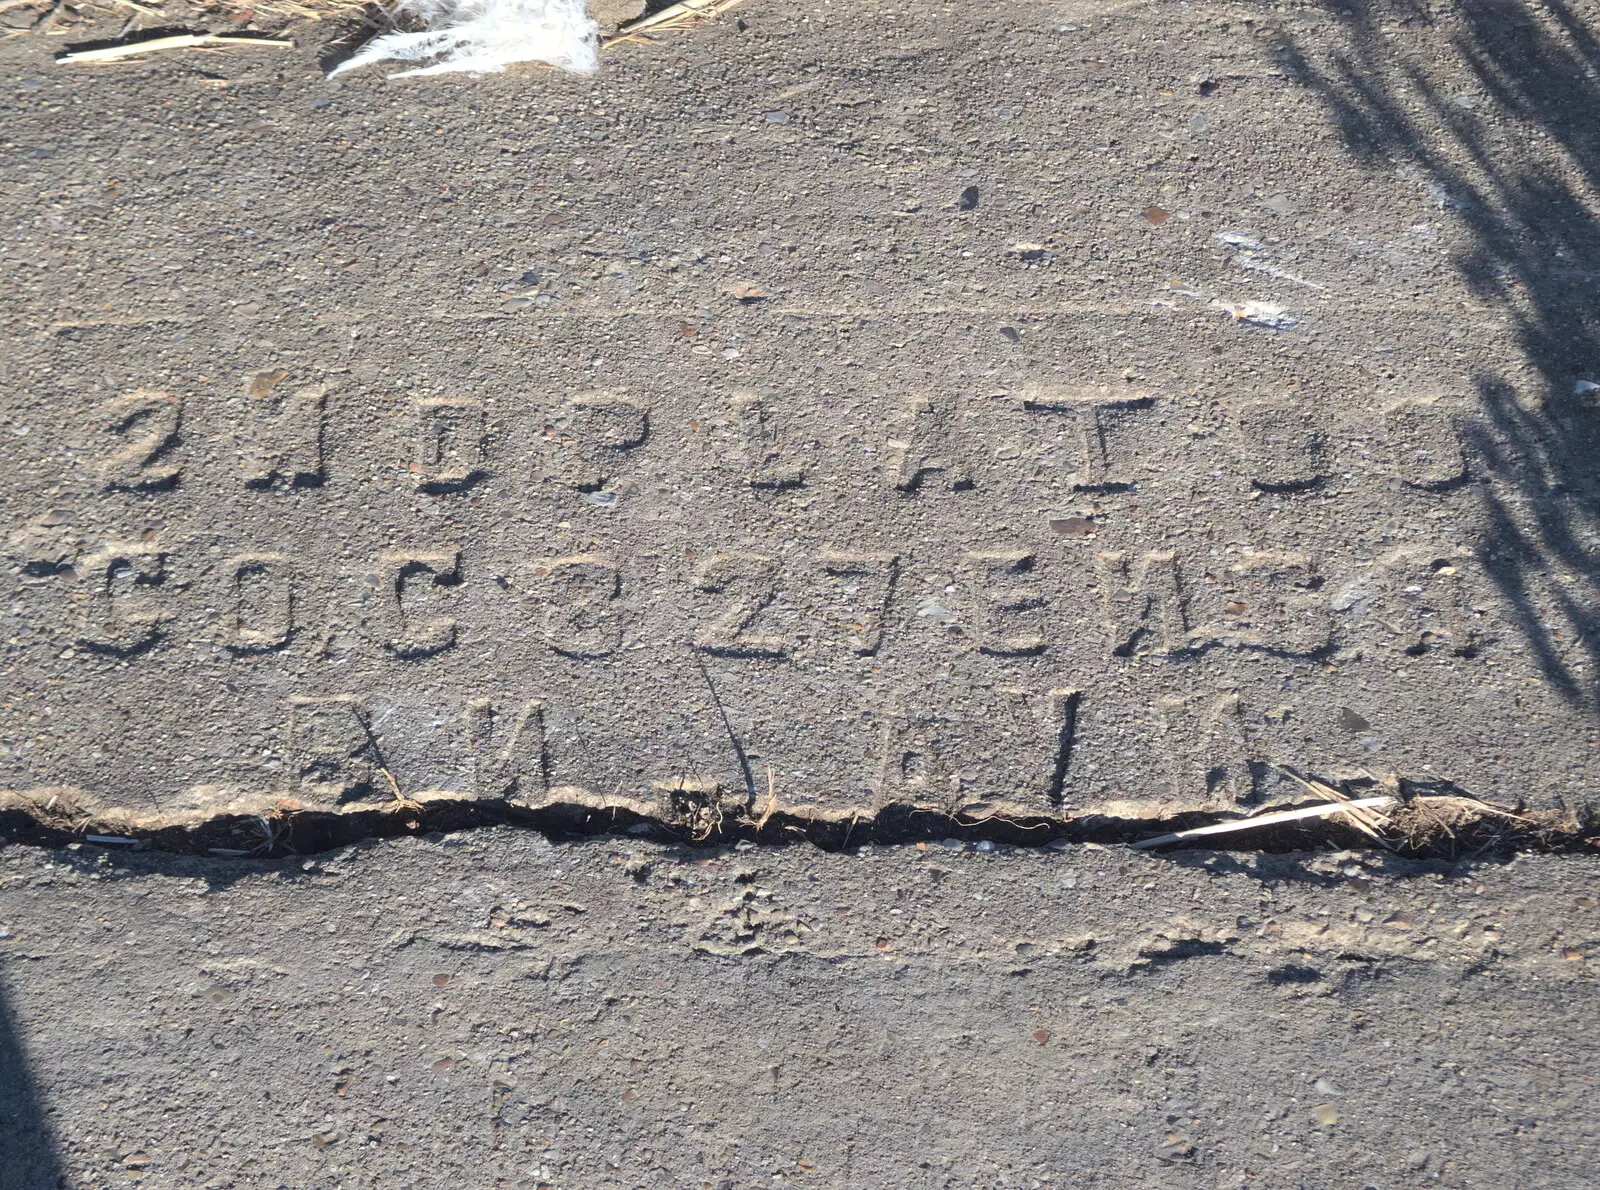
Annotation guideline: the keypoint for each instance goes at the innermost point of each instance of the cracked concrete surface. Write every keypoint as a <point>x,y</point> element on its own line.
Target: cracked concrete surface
<point>1055,412</point>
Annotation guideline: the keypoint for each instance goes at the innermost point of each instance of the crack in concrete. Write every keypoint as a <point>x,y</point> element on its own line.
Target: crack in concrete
<point>681,819</point>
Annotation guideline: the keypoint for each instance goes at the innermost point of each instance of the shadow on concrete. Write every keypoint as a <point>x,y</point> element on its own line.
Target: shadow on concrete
<point>1496,104</point>
<point>27,1150</point>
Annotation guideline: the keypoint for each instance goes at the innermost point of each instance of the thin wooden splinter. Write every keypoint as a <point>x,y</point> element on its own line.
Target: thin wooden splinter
<point>179,41</point>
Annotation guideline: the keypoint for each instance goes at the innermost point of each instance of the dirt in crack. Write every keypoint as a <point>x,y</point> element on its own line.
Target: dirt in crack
<point>1422,827</point>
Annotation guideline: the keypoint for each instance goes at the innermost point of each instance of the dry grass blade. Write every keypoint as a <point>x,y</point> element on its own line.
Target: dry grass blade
<point>1477,807</point>
<point>404,802</point>
<point>1367,822</point>
<point>317,10</point>
<point>772,799</point>
<point>676,16</point>
<point>1280,816</point>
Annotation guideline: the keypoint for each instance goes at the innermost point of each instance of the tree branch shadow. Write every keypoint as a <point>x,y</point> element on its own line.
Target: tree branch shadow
<point>1528,203</point>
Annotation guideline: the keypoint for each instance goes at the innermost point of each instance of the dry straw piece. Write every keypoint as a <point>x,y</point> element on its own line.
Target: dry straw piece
<point>1343,806</point>
<point>682,15</point>
<point>1416,823</point>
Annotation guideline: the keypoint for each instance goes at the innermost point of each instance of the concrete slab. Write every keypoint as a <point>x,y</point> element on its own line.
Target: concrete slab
<point>495,1010</point>
<point>1070,408</point>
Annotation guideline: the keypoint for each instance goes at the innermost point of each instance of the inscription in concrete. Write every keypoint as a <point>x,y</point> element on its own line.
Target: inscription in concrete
<point>1070,593</point>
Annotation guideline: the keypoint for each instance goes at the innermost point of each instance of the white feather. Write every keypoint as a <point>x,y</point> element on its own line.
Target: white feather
<point>487,35</point>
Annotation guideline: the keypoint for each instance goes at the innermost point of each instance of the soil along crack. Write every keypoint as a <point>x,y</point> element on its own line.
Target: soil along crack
<point>1409,822</point>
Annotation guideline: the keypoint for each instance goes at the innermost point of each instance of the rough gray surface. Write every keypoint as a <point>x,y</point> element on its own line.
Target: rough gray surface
<point>494,1010</point>
<point>1066,405</point>
<point>1091,405</point>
